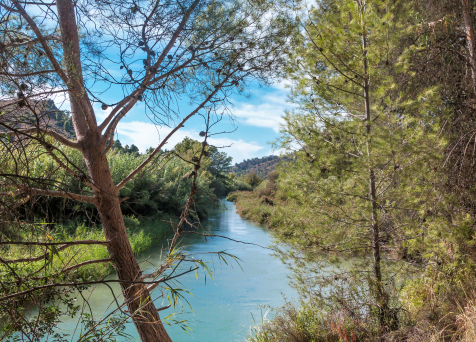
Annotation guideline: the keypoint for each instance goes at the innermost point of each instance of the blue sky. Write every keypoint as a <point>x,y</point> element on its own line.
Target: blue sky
<point>256,119</point>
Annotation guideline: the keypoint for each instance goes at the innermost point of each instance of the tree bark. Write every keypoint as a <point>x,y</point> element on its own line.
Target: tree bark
<point>136,296</point>
<point>469,28</point>
<point>377,270</point>
<point>143,311</point>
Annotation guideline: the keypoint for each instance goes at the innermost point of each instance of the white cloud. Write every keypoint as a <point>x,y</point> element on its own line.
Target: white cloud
<point>237,149</point>
<point>283,85</point>
<point>145,135</point>
<point>262,115</point>
<point>268,113</point>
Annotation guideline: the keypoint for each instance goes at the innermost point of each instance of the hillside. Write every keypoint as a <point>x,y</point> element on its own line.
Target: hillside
<point>261,166</point>
<point>43,113</point>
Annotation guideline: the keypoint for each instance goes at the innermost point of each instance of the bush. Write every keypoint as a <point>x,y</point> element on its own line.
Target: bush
<point>232,197</point>
<point>242,186</point>
<point>252,179</point>
<point>305,325</point>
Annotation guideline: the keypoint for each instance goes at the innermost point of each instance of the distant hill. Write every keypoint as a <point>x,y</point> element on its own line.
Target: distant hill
<point>42,113</point>
<point>262,166</point>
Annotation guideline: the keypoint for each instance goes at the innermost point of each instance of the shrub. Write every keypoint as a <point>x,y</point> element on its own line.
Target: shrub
<point>305,325</point>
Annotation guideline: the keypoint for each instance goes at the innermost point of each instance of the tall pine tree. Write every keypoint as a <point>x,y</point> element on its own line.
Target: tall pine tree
<point>358,144</point>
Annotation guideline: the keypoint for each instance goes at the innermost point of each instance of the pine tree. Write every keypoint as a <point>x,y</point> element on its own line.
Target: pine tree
<point>358,142</point>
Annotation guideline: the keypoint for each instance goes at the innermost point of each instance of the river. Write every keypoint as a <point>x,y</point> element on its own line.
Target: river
<point>223,309</point>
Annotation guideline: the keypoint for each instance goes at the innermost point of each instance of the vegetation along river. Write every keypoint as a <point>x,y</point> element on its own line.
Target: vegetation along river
<point>223,309</point>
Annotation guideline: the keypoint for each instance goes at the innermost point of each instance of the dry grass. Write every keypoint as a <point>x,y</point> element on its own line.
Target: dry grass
<point>466,322</point>
<point>306,325</point>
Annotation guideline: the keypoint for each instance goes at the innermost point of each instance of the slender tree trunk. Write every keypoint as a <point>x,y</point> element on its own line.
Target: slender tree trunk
<point>137,297</point>
<point>139,303</point>
<point>381,297</point>
<point>467,8</point>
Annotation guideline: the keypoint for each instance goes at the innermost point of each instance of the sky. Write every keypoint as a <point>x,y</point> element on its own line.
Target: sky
<point>254,125</point>
<point>256,119</point>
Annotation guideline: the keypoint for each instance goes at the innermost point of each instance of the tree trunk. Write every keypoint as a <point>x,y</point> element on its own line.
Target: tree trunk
<point>469,28</point>
<point>381,297</point>
<point>140,306</point>
<point>137,297</point>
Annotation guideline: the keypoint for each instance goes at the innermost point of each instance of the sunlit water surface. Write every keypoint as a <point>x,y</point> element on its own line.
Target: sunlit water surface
<point>223,309</point>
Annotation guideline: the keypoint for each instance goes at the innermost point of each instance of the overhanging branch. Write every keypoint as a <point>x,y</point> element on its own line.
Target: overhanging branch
<point>34,41</point>
<point>31,243</point>
<point>55,135</point>
<point>28,74</point>
<point>152,155</point>
<point>147,79</point>
<point>40,257</point>
<point>51,193</point>
<point>13,295</point>
<point>84,263</point>
<point>41,40</point>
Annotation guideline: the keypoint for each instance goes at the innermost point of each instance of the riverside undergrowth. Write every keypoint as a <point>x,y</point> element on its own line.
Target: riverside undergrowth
<point>143,233</point>
<point>434,297</point>
<point>150,202</point>
<point>381,133</point>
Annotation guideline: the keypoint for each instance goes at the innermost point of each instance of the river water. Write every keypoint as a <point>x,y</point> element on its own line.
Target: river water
<point>223,309</point>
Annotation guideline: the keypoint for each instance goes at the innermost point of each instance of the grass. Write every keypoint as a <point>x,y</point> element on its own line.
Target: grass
<point>307,324</point>
<point>255,206</point>
<point>143,234</point>
<point>466,322</point>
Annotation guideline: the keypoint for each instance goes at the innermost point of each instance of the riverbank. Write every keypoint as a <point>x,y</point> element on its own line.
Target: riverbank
<point>437,303</point>
<point>143,234</point>
<point>263,206</point>
<point>255,208</point>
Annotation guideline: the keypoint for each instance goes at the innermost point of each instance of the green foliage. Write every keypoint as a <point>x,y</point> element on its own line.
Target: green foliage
<point>367,159</point>
<point>321,202</point>
<point>251,206</point>
<point>160,188</point>
<point>155,197</point>
<point>163,187</point>
<point>143,235</point>
<point>252,179</point>
<point>63,119</point>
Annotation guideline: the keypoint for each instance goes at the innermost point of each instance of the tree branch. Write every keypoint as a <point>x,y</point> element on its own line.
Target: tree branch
<point>55,135</point>
<point>52,193</point>
<point>149,77</point>
<point>60,248</point>
<point>29,74</point>
<point>127,106</point>
<point>149,159</point>
<point>13,295</point>
<point>84,263</point>
<point>34,41</point>
<point>74,68</point>
<point>80,242</point>
<point>33,259</point>
<point>42,41</point>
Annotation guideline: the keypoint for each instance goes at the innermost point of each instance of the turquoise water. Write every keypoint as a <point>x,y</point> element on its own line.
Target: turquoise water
<point>223,309</point>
